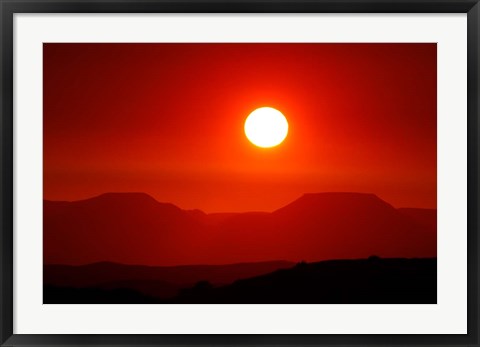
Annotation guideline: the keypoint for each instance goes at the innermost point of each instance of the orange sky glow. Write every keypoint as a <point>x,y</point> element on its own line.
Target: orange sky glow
<point>168,120</point>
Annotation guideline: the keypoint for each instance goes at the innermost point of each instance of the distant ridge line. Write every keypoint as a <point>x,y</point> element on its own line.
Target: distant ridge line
<point>113,263</point>
<point>147,196</point>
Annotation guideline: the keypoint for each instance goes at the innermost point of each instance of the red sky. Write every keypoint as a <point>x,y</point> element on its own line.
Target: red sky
<point>167,120</point>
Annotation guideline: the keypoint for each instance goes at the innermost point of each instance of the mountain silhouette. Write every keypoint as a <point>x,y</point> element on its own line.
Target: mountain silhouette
<point>119,227</point>
<point>134,228</point>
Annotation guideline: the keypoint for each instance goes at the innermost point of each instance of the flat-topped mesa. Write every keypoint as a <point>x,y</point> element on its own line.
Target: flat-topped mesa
<point>117,199</point>
<point>343,200</point>
<point>133,228</point>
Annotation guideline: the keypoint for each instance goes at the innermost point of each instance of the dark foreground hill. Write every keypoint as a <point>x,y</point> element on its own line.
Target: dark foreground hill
<point>157,281</point>
<point>362,281</point>
<point>134,228</point>
<point>366,281</point>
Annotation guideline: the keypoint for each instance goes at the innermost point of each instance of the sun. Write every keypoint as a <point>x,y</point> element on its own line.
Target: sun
<point>266,127</point>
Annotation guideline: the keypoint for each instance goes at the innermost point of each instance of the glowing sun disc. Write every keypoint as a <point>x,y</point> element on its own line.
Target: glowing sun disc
<point>266,127</point>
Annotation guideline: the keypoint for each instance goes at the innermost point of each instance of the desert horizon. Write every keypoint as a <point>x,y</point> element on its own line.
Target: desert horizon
<point>199,208</point>
<point>400,269</point>
<point>227,238</point>
<point>239,172</point>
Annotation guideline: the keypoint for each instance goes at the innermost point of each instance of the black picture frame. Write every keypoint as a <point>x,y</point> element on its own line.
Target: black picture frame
<point>10,7</point>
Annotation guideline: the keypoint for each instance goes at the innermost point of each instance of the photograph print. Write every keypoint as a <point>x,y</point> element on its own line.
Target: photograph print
<point>239,173</point>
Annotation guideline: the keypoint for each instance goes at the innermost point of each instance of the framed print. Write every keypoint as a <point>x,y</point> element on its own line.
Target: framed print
<point>239,173</point>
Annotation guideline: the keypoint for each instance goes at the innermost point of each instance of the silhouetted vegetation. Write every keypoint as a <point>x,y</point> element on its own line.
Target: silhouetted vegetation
<point>301,265</point>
